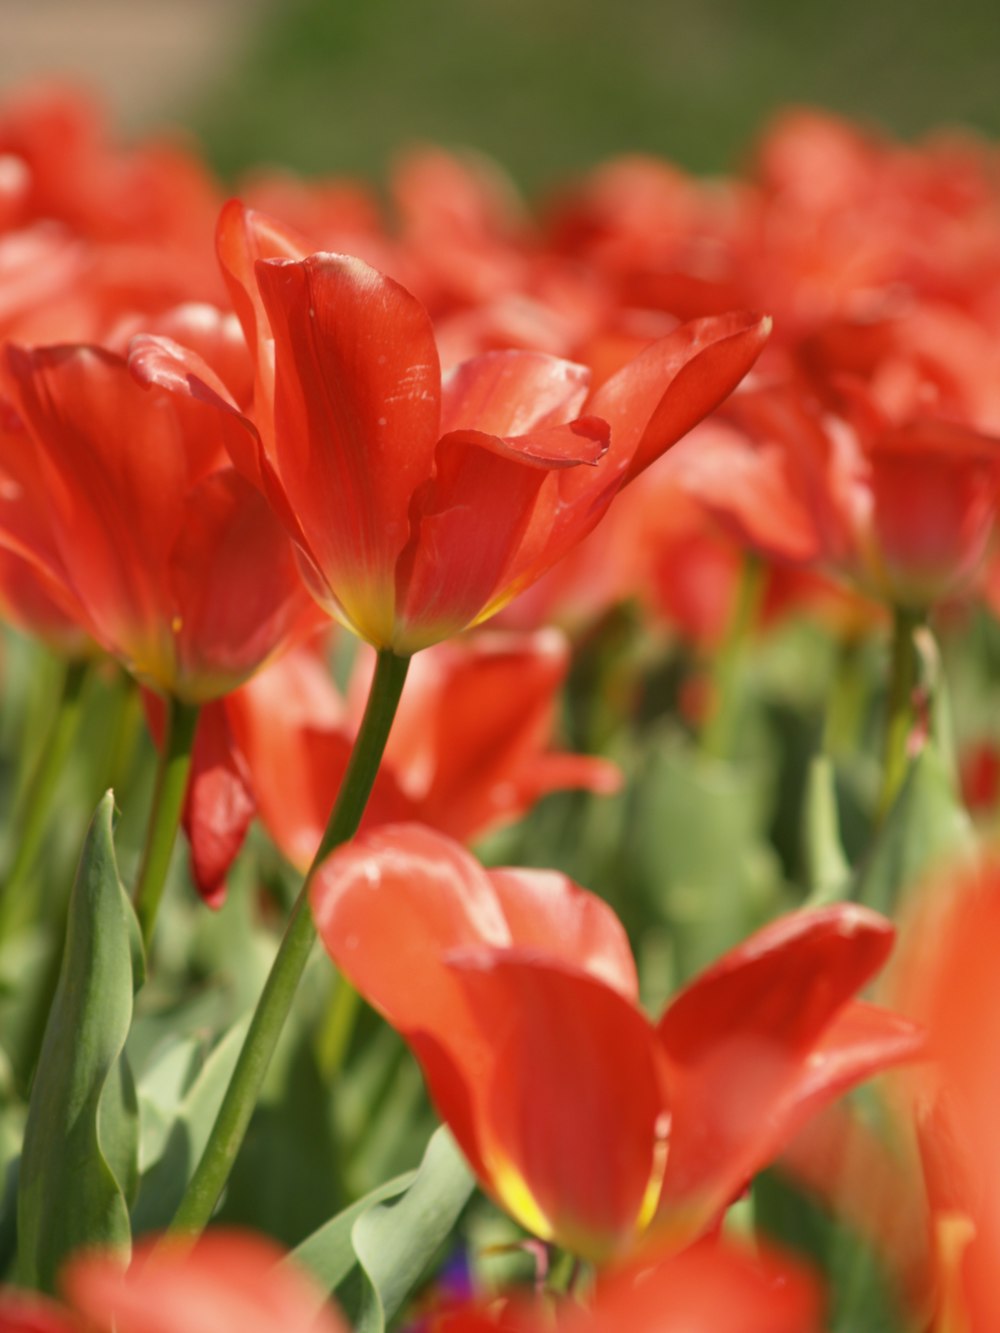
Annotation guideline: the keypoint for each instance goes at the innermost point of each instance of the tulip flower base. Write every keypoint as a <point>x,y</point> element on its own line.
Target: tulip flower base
<point>657,987</point>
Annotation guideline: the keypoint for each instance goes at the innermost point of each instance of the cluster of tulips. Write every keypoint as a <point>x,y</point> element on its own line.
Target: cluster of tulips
<point>266,466</point>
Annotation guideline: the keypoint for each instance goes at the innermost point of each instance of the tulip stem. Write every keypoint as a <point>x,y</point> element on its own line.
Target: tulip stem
<point>275,1003</point>
<point>165,816</point>
<point>900,714</point>
<point>36,801</point>
<point>717,737</point>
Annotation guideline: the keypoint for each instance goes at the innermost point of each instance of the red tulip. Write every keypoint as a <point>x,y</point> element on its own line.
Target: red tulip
<point>710,1288</point>
<point>469,749</point>
<point>946,977</point>
<point>904,508</point>
<point>169,557</point>
<point>225,1281</point>
<point>517,991</point>
<point>421,506</point>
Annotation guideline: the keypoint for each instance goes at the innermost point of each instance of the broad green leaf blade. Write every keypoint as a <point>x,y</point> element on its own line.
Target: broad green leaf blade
<point>78,1165</point>
<point>329,1252</point>
<point>395,1241</point>
<point>927,825</point>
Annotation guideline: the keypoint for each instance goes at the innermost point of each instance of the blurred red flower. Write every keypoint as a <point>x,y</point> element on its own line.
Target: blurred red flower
<point>710,1288</point>
<point>469,748</point>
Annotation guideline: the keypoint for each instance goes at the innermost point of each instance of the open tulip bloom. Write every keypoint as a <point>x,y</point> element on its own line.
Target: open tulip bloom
<point>589,1123</point>
<point>421,504</point>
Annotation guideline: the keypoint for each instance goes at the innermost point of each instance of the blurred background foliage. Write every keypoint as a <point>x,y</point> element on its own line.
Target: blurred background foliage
<point>550,87</point>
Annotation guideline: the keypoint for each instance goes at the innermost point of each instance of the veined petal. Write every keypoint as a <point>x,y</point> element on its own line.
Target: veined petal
<point>512,393</point>
<point>745,1045</point>
<point>469,742</point>
<point>236,610</point>
<point>357,409</point>
<point>470,519</point>
<point>674,383</point>
<point>570,1106</point>
<point>107,451</point>
<point>390,904</point>
<point>156,360</point>
<point>547,912</point>
<point>243,236</point>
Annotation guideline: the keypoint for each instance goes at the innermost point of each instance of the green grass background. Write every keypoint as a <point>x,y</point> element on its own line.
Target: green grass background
<point>550,86</point>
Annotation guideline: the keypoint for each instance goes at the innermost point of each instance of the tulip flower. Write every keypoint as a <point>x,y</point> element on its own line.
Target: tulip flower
<point>170,558</point>
<point>228,1280</point>
<point>468,750</point>
<point>420,505</point>
<point>587,1122</point>
<point>710,1288</point>
<point>946,977</point>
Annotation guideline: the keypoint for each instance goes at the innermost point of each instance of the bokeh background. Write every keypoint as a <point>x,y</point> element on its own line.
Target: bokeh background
<point>546,86</point>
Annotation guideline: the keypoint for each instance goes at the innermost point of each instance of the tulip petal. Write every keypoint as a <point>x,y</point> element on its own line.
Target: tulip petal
<point>296,736</point>
<point>755,1043</point>
<point>243,236</point>
<point>390,904</point>
<point>511,393</point>
<point>469,740</point>
<point>107,450</point>
<point>667,389</point>
<point>547,912</point>
<point>224,1280</point>
<point>219,806</point>
<point>480,503</point>
<point>569,1103</point>
<point>232,613</point>
<point>707,1289</point>
<point>357,408</point>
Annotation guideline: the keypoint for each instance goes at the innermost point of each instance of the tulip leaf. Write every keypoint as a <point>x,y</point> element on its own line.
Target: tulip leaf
<point>180,1124</point>
<point>396,1240</point>
<point>374,1252</point>
<point>329,1252</point>
<point>79,1162</point>
<point>828,872</point>
<point>926,825</point>
<point>698,848</point>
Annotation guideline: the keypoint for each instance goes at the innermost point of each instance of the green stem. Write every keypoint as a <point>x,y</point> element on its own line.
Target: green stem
<point>36,803</point>
<point>900,716</point>
<point>165,816</point>
<point>717,736</point>
<point>275,1003</point>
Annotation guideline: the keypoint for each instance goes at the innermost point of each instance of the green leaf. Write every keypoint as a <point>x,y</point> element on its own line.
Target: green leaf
<point>926,825</point>
<point>79,1163</point>
<point>329,1252</point>
<point>828,873</point>
<point>395,1241</point>
<point>699,852</point>
<point>179,1127</point>
<point>376,1251</point>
